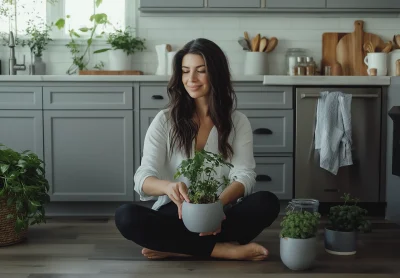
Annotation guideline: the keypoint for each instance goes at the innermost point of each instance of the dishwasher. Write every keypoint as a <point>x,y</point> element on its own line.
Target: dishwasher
<point>362,179</point>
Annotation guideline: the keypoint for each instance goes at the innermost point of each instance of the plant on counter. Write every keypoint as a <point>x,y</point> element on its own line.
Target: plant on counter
<point>204,212</point>
<point>298,239</point>
<point>23,188</point>
<point>38,37</point>
<point>345,221</point>
<point>125,41</point>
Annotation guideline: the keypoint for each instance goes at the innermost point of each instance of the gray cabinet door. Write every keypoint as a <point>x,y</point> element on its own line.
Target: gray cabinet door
<point>20,97</point>
<point>171,3</point>
<point>296,4</point>
<point>146,117</point>
<point>234,3</point>
<point>272,130</point>
<point>22,130</point>
<point>89,155</point>
<point>363,4</point>
<point>275,174</point>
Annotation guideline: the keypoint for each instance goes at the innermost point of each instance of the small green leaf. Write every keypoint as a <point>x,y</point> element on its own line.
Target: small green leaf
<point>60,23</point>
<point>98,2</point>
<point>4,168</point>
<point>83,29</point>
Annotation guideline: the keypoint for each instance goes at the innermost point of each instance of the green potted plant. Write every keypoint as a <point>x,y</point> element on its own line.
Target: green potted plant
<point>38,39</point>
<point>23,194</point>
<point>123,45</point>
<point>204,213</point>
<point>345,221</point>
<point>298,241</point>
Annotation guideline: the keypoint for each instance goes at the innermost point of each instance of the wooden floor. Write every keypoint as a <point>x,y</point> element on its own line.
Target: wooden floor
<point>93,248</point>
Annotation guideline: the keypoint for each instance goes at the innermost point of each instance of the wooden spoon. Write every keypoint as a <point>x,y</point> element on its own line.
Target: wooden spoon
<point>263,44</point>
<point>388,47</point>
<point>246,36</point>
<point>273,42</point>
<point>255,43</point>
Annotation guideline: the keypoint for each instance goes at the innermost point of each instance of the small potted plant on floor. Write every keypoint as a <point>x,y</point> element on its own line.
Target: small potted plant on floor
<point>123,45</point>
<point>298,241</point>
<point>204,213</point>
<point>23,194</point>
<point>345,221</point>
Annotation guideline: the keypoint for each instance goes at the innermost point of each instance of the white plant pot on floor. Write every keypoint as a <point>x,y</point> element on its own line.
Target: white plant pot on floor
<point>119,60</point>
<point>298,254</point>
<point>202,218</point>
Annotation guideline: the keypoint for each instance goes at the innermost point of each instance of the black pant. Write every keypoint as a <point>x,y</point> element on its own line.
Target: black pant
<point>162,230</point>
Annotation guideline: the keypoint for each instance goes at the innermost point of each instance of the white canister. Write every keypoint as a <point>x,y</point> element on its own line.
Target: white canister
<point>377,60</point>
<point>256,63</point>
<point>119,60</point>
<point>170,58</point>
<point>392,58</point>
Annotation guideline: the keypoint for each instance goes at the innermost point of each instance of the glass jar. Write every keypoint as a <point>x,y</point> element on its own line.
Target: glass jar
<point>301,66</point>
<point>291,59</point>
<point>310,205</point>
<point>311,66</point>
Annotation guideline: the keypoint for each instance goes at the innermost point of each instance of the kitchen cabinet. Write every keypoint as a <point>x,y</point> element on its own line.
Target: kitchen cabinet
<point>89,155</point>
<point>171,3</point>
<point>22,130</point>
<point>146,117</point>
<point>234,4</point>
<point>20,97</point>
<point>283,4</point>
<point>275,174</point>
<point>363,4</point>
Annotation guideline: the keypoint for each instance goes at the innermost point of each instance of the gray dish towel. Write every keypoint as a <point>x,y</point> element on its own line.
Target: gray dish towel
<point>333,130</point>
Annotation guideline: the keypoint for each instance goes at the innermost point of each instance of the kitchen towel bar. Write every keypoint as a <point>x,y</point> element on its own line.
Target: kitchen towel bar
<point>354,95</point>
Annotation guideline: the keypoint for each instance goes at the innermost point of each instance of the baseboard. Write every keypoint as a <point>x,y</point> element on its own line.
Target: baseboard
<point>108,208</point>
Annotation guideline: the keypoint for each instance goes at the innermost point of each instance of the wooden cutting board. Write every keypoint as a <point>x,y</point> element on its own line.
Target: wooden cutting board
<point>110,72</point>
<point>329,43</point>
<point>350,53</point>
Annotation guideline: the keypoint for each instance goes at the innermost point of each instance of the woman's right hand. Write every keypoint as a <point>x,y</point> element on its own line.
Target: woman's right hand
<point>177,192</point>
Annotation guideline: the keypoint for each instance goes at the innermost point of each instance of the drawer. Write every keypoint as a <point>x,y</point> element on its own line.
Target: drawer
<point>272,130</point>
<point>275,174</point>
<point>20,97</point>
<point>264,97</point>
<point>153,97</point>
<point>87,97</point>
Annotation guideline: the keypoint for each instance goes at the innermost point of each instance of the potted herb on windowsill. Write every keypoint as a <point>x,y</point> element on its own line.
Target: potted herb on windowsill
<point>204,213</point>
<point>123,45</point>
<point>298,239</point>
<point>23,194</point>
<point>345,221</point>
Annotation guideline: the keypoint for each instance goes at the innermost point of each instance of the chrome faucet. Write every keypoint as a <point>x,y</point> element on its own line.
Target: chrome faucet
<point>13,66</point>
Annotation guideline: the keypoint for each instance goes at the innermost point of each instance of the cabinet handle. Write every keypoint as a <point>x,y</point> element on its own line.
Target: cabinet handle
<point>263,178</point>
<point>331,190</point>
<point>262,131</point>
<point>157,97</point>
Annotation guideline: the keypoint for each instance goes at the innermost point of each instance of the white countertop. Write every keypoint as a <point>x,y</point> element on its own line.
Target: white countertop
<point>266,80</point>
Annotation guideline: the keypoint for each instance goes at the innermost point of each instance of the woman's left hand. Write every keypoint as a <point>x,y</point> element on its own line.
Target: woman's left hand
<point>216,232</point>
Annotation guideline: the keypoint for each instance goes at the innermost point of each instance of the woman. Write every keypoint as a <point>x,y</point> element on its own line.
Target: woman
<point>200,116</point>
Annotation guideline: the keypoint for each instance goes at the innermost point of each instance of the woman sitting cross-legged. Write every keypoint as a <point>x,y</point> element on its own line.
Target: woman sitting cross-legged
<point>200,115</point>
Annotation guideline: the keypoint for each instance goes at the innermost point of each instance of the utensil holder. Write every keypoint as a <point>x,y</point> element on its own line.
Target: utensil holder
<point>256,63</point>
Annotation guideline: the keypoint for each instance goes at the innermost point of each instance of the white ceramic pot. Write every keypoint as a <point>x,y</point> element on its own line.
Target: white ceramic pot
<point>256,63</point>
<point>202,218</point>
<point>119,60</point>
<point>298,254</point>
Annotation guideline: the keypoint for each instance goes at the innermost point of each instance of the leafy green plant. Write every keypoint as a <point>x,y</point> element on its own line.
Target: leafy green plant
<point>300,224</point>
<point>24,186</point>
<point>124,40</point>
<point>200,171</point>
<point>348,217</point>
<point>39,38</point>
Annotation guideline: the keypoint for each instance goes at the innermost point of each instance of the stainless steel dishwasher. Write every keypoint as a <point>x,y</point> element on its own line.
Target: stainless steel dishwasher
<point>362,179</point>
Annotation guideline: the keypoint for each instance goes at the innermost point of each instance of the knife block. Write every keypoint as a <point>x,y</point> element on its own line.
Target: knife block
<point>394,113</point>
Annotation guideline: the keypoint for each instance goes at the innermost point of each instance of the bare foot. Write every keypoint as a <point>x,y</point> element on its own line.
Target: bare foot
<point>248,252</point>
<point>154,255</point>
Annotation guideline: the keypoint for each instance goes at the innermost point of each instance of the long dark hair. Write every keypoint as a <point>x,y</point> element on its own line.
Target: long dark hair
<point>221,101</point>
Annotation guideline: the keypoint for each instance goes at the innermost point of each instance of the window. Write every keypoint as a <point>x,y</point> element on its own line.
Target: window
<point>79,17</point>
<point>24,11</point>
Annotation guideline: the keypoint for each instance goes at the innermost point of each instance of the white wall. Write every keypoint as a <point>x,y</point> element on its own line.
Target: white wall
<point>224,30</point>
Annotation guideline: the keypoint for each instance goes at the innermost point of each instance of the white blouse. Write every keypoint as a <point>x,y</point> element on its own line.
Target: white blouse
<point>158,160</point>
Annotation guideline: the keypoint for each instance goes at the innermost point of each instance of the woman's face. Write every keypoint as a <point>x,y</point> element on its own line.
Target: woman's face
<point>194,76</point>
